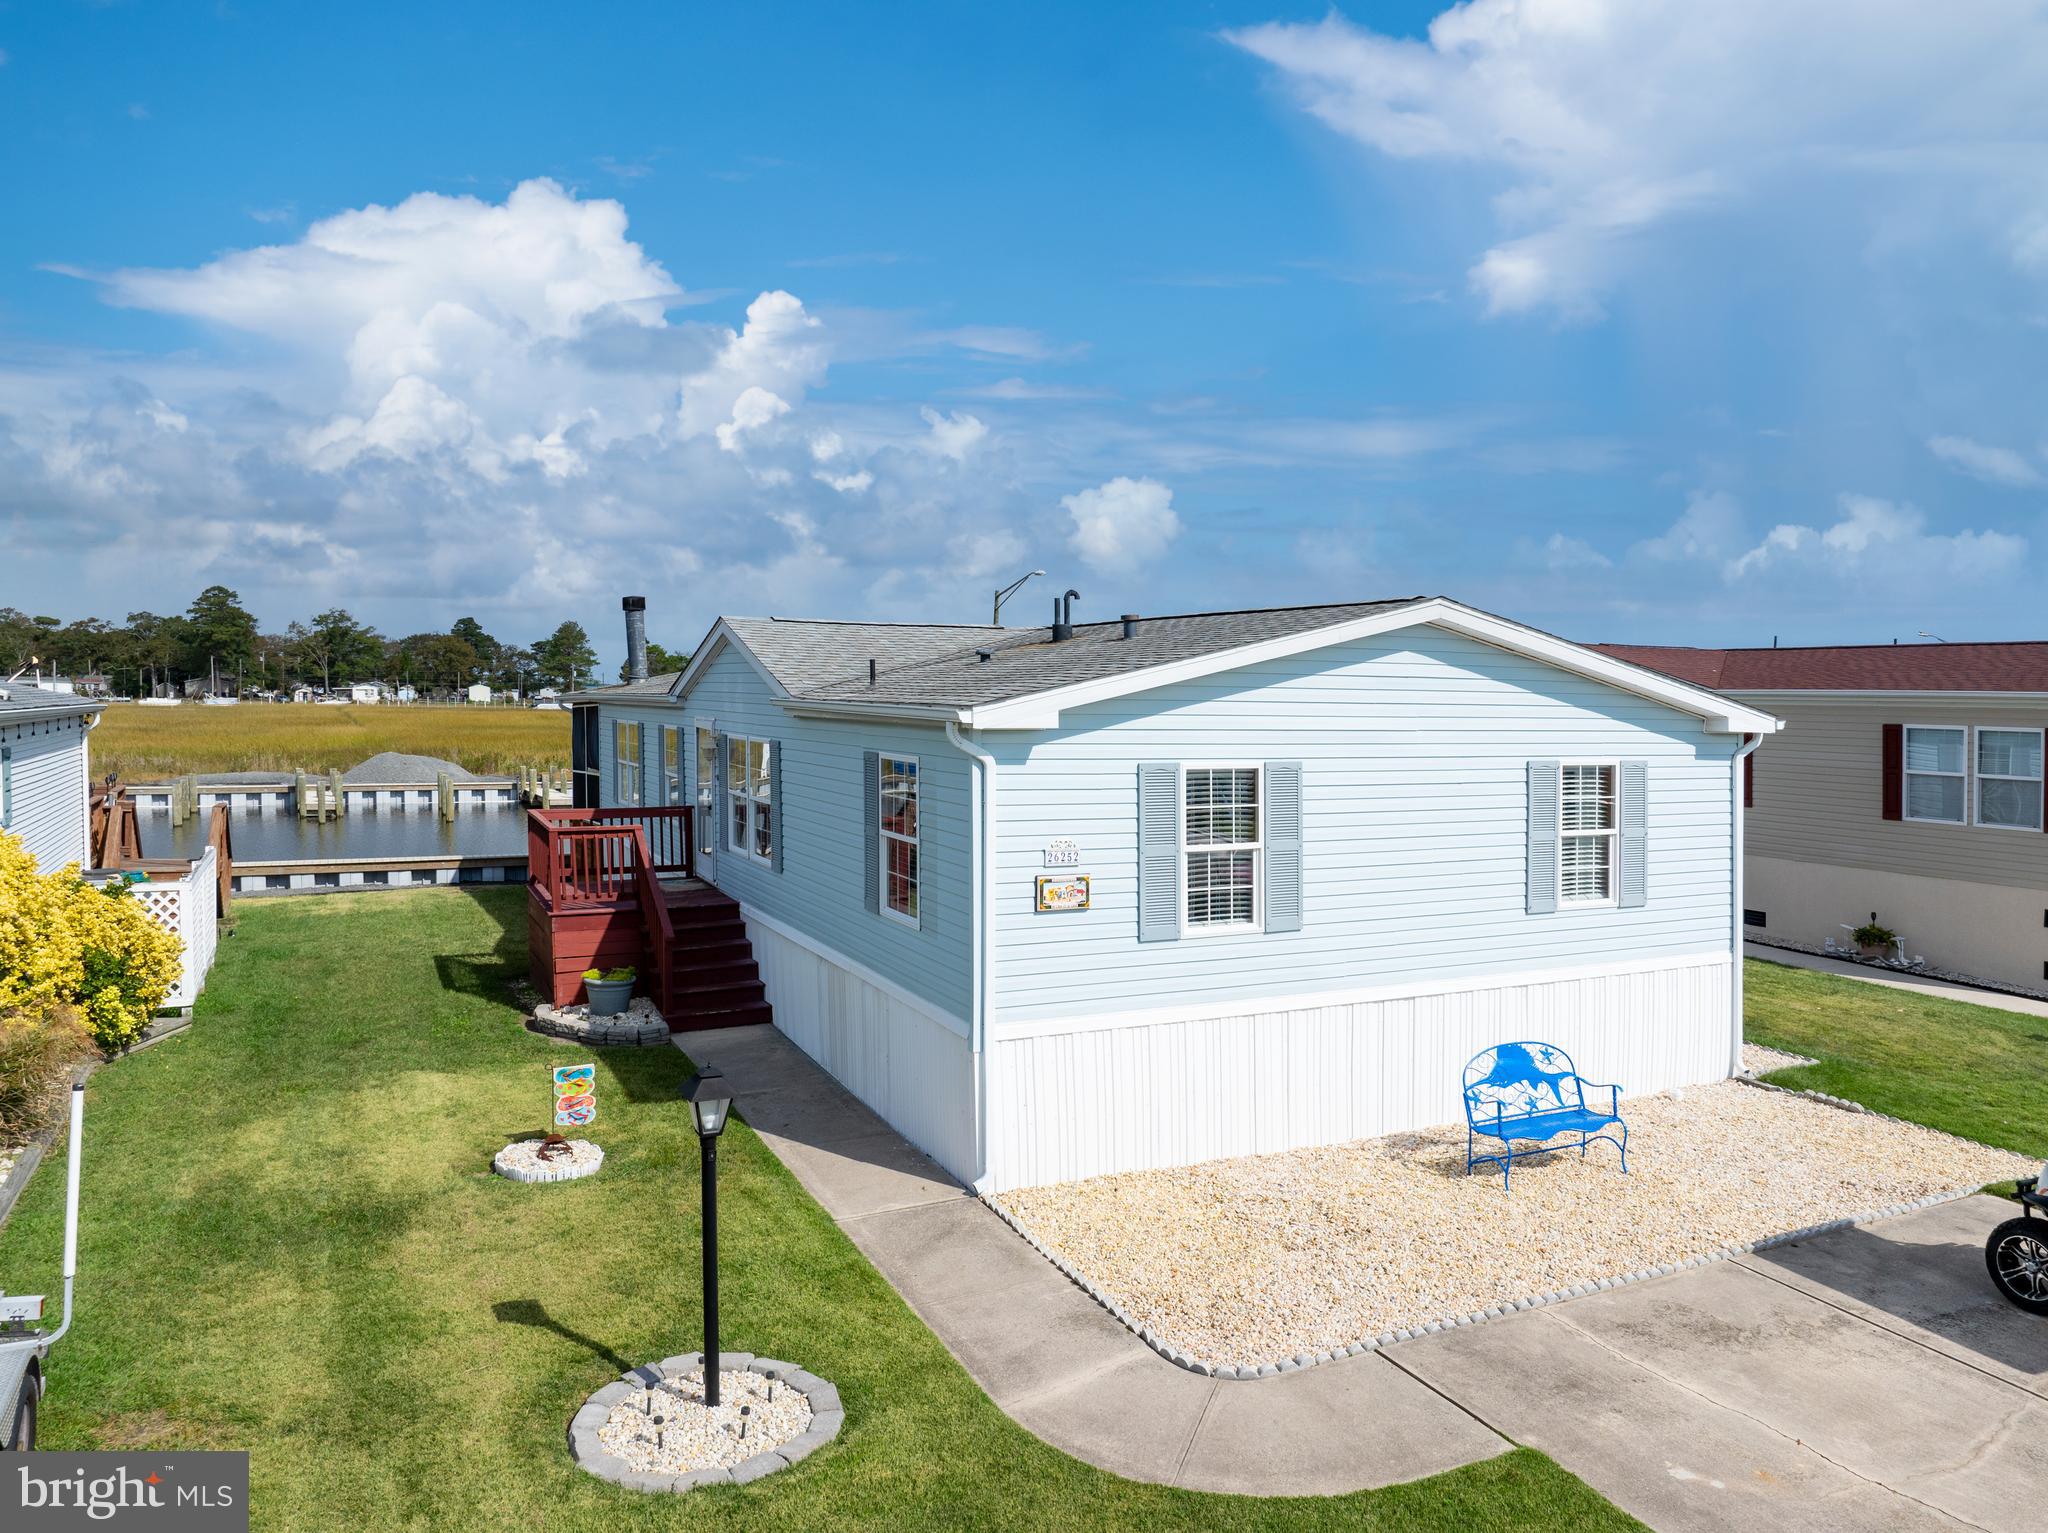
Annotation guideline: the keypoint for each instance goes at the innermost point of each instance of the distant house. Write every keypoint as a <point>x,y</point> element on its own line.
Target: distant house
<point>303,693</point>
<point>45,774</point>
<point>479,693</point>
<point>367,691</point>
<point>1908,786</point>
<point>1061,902</point>
<point>406,693</point>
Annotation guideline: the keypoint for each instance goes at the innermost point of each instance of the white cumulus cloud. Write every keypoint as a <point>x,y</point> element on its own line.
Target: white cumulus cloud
<point>1994,465</point>
<point>1885,538</point>
<point>1121,524</point>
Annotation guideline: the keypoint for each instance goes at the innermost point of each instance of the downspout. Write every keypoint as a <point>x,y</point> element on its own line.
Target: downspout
<point>982,805</point>
<point>1742,753</point>
<point>92,722</point>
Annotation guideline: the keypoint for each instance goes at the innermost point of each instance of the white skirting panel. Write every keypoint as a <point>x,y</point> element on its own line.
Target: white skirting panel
<point>911,1069</point>
<point>1099,1098</point>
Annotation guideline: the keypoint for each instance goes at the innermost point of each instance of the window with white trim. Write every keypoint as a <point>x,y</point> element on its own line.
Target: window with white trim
<point>2009,778</point>
<point>1936,774</point>
<point>671,764</point>
<point>1588,834</point>
<point>898,819</point>
<point>750,817</point>
<point>1220,846</point>
<point>626,741</point>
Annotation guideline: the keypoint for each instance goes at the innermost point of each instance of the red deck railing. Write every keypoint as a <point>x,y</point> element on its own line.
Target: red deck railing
<point>590,858</point>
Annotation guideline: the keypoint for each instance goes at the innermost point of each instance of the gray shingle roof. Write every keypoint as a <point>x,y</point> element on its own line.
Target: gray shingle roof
<point>933,666</point>
<point>22,702</point>
<point>653,686</point>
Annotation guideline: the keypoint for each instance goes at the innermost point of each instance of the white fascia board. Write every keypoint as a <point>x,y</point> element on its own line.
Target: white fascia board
<point>1888,695</point>
<point>720,636</point>
<point>1720,715</point>
<point>913,713</point>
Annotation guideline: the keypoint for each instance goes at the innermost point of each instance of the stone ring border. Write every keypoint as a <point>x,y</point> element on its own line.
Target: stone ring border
<point>827,1417</point>
<point>1180,1357</point>
<point>542,1175</point>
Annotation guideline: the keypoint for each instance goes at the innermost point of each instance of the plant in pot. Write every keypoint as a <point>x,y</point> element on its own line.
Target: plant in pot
<point>1873,940</point>
<point>610,990</point>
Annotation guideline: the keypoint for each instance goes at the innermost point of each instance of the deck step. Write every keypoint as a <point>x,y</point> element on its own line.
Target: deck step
<point>705,933</point>
<point>710,998</point>
<point>746,1016</point>
<point>690,976</point>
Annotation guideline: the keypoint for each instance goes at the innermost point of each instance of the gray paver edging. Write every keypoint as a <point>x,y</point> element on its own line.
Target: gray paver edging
<point>639,1026</point>
<point>1180,1357</point>
<point>828,1415</point>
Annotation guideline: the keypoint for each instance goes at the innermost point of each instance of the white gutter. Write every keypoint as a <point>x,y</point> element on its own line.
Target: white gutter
<point>981,806</point>
<point>1736,925</point>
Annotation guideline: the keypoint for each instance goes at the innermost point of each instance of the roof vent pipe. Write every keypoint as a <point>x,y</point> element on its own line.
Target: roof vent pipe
<point>1063,616</point>
<point>636,637</point>
<point>984,655</point>
<point>1130,625</point>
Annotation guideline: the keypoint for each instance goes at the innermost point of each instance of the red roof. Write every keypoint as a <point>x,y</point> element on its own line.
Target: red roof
<point>2012,667</point>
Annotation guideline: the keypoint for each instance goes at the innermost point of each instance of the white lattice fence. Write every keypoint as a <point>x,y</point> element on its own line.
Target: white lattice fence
<point>186,909</point>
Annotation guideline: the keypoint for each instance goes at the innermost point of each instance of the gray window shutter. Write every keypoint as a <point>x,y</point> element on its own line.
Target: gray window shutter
<point>1634,811</point>
<point>614,773</point>
<point>1283,846</point>
<point>871,828</point>
<point>1158,851</point>
<point>778,821</point>
<point>721,811</point>
<point>651,789</point>
<point>6,786</point>
<point>1543,791</point>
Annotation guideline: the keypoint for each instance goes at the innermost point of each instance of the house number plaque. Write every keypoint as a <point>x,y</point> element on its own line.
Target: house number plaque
<point>1064,852</point>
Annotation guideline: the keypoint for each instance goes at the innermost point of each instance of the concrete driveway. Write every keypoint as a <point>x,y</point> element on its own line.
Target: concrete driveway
<point>1869,1378</point>
<point>1865,1379</point>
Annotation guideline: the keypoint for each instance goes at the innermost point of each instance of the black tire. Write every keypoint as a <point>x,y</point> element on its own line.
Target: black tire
<point>21,1430</point>
<point>2016,1256</point>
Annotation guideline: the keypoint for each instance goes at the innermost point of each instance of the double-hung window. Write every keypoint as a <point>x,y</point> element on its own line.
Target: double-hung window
<point>626,743</point>
<point>1220,847</point>
<point>898,819</point>
<point>1588,834</point>
<point>1936,775</point>
<point>671,764</point>
<point>2009,778</point>
<point>750,817</point>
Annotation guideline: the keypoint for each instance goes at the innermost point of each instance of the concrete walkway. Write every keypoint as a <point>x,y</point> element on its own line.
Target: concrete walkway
<point>1998,1000</point>
<point>1867,1379</point>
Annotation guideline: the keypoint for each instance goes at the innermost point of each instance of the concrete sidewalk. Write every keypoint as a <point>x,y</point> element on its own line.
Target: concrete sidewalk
<point>1049,1355</point>
<point>1866,1379</point>
<point>1895,979</point>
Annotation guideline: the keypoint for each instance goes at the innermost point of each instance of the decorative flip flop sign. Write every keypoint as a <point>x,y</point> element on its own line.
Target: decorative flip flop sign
<point>575,1095</point>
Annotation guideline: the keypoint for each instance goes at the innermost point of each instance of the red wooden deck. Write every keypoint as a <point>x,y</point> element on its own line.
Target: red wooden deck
<point>606,887</point>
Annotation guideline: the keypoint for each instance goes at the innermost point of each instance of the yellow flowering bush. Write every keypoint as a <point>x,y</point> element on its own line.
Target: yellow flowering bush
<point>65,943</point>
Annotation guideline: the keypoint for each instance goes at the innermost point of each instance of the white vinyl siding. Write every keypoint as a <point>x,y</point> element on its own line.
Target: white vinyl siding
<point>1936,775</point>
<point>46,777</point>
<point>1588,834</point>
<point>1220,848</point>
<point>626,759</point>
<point>2009,778</point>
<point>897,812</point>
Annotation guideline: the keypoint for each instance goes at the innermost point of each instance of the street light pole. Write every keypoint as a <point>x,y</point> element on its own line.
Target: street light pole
<point>996,617</point>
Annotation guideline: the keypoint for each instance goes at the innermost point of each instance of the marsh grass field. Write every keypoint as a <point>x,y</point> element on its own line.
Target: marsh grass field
<point>148,744</point>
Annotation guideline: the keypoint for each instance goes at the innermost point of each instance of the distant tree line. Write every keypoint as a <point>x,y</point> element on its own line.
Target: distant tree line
<point>217,638</point>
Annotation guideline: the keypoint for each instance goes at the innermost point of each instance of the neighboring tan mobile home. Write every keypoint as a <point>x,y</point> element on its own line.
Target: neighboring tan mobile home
<point>1059,902</point>
<point>1908,787</point>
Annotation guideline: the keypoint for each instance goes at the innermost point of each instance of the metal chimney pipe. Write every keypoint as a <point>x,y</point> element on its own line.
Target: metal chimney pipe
<point>1061,628</point>
<point>1130,625</point>
<point>635,608</point>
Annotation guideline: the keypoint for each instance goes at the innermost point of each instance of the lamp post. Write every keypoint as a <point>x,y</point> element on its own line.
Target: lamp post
<point>710,1102</point>
<point>996,620</point>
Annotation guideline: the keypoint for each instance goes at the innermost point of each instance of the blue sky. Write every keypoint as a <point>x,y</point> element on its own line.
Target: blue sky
<point>1634,320</point>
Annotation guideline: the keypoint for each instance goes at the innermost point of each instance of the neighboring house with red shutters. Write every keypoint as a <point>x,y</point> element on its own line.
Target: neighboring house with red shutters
<point>1907,783</point>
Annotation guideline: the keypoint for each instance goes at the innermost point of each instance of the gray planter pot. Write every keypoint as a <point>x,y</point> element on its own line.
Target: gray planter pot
<point>608,997</point>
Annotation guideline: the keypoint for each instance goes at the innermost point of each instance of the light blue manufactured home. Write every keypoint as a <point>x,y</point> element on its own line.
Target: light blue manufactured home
<point>1065,902</point>
<point>44,772</point>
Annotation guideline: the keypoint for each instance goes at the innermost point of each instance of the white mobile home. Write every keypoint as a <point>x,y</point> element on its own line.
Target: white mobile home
<point>45,774</point>
<point>1073,900</point>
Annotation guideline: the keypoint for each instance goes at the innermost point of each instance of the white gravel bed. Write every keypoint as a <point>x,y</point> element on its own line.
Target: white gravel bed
<point>1758,1060</point>
<point>521,1161</point>
<point>1267,1257</point>
<point>669,1430</point>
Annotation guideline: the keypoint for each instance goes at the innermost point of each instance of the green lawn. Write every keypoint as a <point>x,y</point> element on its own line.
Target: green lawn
<point>1971,1070</point>
<point>293,1244</point>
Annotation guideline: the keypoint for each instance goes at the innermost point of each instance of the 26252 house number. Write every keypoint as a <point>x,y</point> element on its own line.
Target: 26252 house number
<point>1063,852</point>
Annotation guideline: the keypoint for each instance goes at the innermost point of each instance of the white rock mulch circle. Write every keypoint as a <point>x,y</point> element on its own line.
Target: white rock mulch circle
<point>652,1430</point>
<point>1260,1265</point>
<point>522,1161</point>
<point>640,1025</point>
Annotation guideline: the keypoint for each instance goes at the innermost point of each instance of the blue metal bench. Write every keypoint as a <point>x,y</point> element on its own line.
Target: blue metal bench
<point>1530,1091</point>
